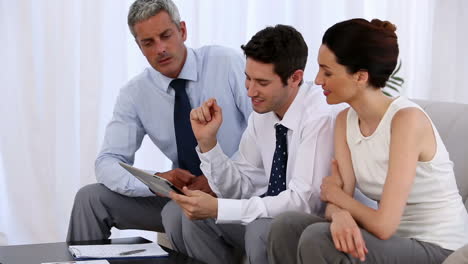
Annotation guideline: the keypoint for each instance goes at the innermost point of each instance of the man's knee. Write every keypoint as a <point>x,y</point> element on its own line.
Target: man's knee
<point>315,238</point>
<point>316,232</point>
<point>171,216</point>
<point>196,230</point>
<point>89,219</point>
<point>281,226</point>
<point>91,194</point>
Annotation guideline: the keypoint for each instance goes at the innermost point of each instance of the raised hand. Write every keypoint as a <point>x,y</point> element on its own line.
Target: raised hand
<point>206,121</point>
<point>347,236</point>
<point>196,204</point>
<point>178,177</point>
<point>331,184</point>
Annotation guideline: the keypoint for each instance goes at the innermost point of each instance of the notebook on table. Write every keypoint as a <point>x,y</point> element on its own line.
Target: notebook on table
<point>116,251</point>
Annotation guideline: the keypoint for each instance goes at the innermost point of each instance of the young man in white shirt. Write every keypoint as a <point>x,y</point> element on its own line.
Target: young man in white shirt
<point>283,155</point>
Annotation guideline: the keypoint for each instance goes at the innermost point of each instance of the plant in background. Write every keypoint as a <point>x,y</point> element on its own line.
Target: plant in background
<point>394,83</point>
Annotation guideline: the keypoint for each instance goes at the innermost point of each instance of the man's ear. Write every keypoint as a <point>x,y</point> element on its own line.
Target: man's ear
<point>296,78</point>
<point>183,29</point>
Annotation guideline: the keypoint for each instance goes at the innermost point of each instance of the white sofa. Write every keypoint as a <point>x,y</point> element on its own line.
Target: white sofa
<point>3,240</point>
<point>451,120</point>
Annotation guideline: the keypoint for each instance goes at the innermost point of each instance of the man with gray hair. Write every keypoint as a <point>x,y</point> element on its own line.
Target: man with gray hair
<point>157,103</point>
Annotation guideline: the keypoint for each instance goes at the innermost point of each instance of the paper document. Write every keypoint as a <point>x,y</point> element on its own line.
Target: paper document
<point>101,261</point>
<point>155,183</point>
<point>110,251</point>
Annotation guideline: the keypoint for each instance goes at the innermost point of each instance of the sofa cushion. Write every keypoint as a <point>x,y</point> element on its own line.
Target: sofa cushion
<point>458,257</point>
<point>3,240</point>
<point>451,120</point>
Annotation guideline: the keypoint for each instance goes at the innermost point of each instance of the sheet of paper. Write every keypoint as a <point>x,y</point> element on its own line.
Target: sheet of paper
<point>116,250</point>
<point>100,261</point>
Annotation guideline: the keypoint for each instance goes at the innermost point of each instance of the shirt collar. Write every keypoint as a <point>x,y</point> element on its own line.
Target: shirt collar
<point>291,118</point>
<point>189,72</point>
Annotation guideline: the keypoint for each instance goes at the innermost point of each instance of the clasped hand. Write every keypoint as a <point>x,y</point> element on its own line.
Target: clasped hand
<point>345,232</point>
<point>331,185</point>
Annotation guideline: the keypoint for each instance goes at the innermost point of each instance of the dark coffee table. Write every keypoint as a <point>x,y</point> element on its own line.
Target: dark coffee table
<point>50,252</point>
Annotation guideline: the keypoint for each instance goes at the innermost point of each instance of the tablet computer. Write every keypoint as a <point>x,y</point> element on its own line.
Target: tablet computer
<point>155,183</point>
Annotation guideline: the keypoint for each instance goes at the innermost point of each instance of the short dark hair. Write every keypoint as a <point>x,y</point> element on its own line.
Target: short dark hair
<point>281,45</point>
<point>362,45</point>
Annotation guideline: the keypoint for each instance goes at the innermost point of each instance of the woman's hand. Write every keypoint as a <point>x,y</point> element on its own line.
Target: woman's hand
<point>347,235</point>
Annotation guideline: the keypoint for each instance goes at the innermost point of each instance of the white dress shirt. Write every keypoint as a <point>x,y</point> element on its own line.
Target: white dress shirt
<point>239,182</point>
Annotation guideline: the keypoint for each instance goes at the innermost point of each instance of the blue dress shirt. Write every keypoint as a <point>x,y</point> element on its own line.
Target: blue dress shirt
<point>145,106</point>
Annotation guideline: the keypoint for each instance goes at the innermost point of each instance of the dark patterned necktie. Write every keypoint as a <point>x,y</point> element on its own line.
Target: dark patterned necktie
<point>185,140</point>
<point>280,160</point>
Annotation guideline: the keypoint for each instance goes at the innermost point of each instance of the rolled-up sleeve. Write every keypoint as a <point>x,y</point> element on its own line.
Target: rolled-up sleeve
<point>123,137</point>
<point>239,177</point>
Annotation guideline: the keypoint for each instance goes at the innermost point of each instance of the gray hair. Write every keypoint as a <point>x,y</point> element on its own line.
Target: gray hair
<point>142,10</point>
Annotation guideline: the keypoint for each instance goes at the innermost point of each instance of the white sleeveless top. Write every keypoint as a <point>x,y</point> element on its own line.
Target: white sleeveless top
<point>434,210</point>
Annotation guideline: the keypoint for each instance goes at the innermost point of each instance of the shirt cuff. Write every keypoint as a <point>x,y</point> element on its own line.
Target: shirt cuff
<point>210,156</point>
<point>229,211</point>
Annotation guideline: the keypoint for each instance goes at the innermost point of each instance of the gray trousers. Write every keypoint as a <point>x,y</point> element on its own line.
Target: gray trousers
<point>97,209</point>
<point>217,243</point>
<point>303,238</point>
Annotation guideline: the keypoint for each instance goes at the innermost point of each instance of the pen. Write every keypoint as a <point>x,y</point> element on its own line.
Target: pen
<point>131,252</point>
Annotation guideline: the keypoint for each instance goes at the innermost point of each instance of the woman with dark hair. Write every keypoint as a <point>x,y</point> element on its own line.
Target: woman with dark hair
<point>390,150</point>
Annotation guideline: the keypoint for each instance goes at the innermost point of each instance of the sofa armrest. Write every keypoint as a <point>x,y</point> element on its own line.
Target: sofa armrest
<point>458,256</point>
